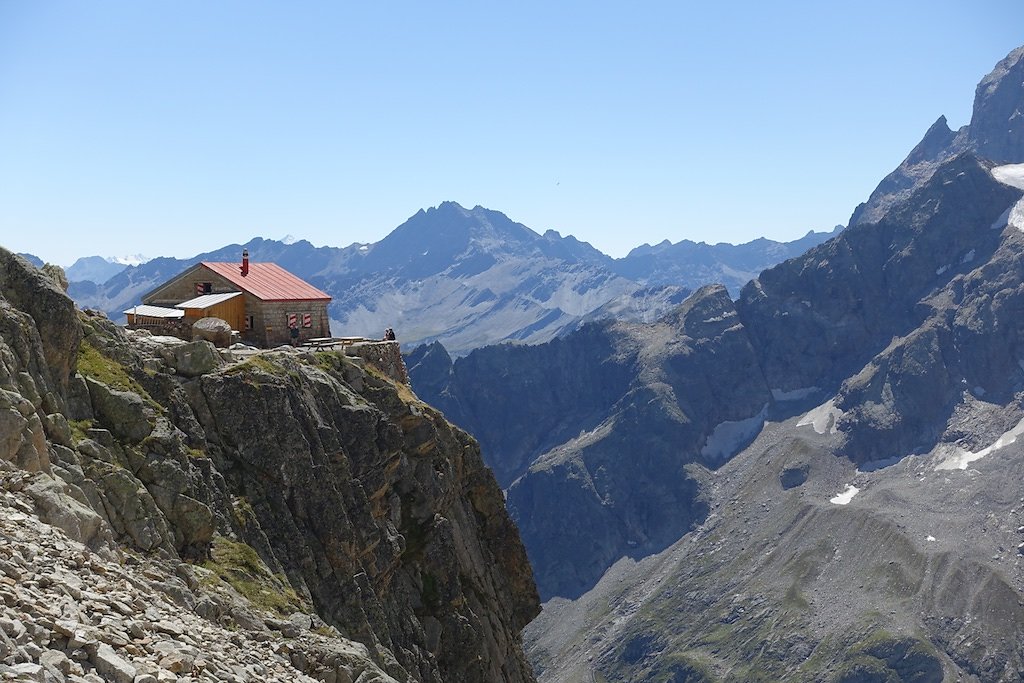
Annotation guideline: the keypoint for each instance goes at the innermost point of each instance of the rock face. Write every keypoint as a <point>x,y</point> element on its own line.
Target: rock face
<point>286,491</point>
<point>818,318</point>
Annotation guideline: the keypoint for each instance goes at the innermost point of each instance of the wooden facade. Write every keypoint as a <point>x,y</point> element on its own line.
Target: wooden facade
<point>232,311</point>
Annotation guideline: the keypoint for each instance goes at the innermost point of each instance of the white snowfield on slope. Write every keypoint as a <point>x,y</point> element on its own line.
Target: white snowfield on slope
<point>1012,175</point>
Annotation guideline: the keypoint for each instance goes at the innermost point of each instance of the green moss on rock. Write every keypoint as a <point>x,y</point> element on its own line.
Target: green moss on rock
<point>238,565</point>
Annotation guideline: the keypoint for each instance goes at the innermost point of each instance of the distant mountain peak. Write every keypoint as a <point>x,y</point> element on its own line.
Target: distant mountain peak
<point>129,260</point>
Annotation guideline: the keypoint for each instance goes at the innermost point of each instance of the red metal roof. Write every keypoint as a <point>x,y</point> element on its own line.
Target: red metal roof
<point>268,281</point>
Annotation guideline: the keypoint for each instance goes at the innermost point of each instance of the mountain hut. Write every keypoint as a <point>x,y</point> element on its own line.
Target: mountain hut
<point>261,301</point>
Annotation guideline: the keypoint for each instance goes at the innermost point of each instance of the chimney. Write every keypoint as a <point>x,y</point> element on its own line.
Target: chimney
<point>245,262</point>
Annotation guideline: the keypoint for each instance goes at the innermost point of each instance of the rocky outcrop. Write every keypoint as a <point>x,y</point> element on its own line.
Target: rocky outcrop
<point>819,318</point>
<point>386,356</point>
<point>996,132</point>
<point>51,327</point>
<point>283,488</point>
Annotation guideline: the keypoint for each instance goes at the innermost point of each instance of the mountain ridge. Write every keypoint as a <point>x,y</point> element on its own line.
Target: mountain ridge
<point>471,277</point>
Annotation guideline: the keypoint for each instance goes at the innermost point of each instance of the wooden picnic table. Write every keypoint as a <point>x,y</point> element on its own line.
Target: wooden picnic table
<point>331,342</point>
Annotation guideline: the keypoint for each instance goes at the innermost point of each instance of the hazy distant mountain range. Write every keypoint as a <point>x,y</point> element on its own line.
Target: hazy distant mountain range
<point>467,277</point>
<point>99,269</point>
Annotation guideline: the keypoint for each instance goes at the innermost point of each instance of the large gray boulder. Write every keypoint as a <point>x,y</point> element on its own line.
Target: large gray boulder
<point>214,330</point>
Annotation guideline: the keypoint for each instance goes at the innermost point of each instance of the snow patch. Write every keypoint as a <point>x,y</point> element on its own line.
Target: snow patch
<point>1010,174</point>
<point>721,318</point>
<point>931,539</point>
<point>1017,215</point>
<point>968,257</point>
<point>129,260</point>
<point>846,496</point>
<point>940,271</point>
<point>793,394</point>
<point>824,418</point>
<point>1003,220</point>
<point>365,247</point>
<point>728,437</point>
<point>959,458</point>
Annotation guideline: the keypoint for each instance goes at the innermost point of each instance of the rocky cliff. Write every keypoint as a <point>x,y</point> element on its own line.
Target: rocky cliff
<point>304,501</point>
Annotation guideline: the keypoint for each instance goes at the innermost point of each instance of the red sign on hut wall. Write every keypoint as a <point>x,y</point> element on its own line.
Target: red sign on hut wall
<point>293,320</point>
<point>307,320</point>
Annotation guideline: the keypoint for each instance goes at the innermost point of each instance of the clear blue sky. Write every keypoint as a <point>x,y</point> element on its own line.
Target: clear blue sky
<point>170,128</point>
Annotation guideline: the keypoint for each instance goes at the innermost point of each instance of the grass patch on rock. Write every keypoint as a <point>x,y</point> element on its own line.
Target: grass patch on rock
<point>92,363</point>
<point>239,566</point>
<point>257,363</point>
<point>80,429</point>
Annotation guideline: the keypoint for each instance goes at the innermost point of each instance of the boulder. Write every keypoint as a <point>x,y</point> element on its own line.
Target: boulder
<point>214,330</point>
<point>55,506</point>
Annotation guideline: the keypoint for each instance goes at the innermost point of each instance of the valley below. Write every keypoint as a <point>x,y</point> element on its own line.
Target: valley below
<point>918,576</point>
